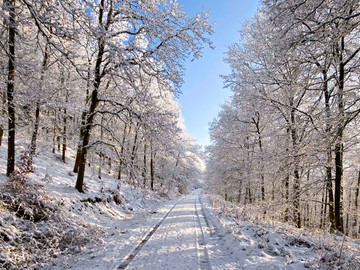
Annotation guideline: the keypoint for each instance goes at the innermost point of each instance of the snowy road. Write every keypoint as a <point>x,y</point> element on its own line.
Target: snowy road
<point>178,241</point>
<point>181,234</point>
<point>188,236</point>
<point>185,233</point>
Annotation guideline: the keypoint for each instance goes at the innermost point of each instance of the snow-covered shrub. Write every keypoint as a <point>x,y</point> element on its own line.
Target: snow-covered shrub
<point>33,230</point>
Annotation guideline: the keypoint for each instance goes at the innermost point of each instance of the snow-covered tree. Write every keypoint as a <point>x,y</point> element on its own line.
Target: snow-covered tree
<point>297,61</point>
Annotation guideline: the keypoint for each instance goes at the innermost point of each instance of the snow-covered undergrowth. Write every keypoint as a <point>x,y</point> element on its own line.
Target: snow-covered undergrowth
<point>278,244</point>
<point>44,219</point>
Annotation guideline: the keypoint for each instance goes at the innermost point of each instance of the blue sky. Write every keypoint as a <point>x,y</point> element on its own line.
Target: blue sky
<point>203,91</point>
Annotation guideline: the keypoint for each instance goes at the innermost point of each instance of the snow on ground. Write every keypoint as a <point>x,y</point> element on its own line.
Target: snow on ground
<point>112,226</point>
<point>68,223</point>
<point>266,244</point>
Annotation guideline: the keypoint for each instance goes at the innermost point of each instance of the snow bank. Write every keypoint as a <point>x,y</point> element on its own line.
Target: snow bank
<point>265,244</point>
<point>45,223</point>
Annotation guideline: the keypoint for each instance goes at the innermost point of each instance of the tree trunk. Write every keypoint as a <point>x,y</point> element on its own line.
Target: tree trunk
<point>323,208</point>
<point>81,137</point>
<point>296,184</point>
<point>152,167</point>
<point>37,109</point>
<point>286,186</point>
<point>348,224</point>
<point>4,112</point>
<point>144,171</point>
<point>357,206</point>
<point>1,134</point>
<point>239,192</point>
<point>93,101</point>
<point>101,154</point>
<point>329,187</point>
<point>339,147</point>
<point>10,89</point>
<point>262,178</point>
<point>248,195</point>
<point>152,171</point>
<point>54,132</point>
<point>307,217</point>
<point>83,118</point>
<point>36,129</point>
<point>133,155</point>
<point>338,185</point>
<point>122,152</point>
<point>64,132</point>
<point>86,136</point>
<point>64,136</point>
<point>286,182</point>
<point>329,180</point>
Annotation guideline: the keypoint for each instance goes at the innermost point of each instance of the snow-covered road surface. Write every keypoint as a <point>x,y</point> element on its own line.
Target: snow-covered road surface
<point>178,241</point>
<point>187,236</point>
<point>186,233</point>
<point>178,235</point>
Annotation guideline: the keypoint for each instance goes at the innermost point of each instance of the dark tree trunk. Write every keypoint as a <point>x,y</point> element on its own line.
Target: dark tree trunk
<point>37,108</point>
<point>357,205</point>
<point>94,98</point>
<point>152,167</point>
<point>101,154</point>
<point>329,179</point>
<point>347,226</point>
<point>122,152</point>
<point>286,183</point>
<point>248,195</point>
<point>248,192</point>
<point>64,131</point>
<point>36,130</point>
<point>297,212</point>
<point>286,186</point>
<point>4,112</point>
<point>64,136</point>
<point>262,178</point>
<point>329,188</point>
<point>10,89</point>
<point>307,218</point>
<point>83,118</point>
<point>133,155</point>
<point>339,147</point>
<point>86,137</point>
<point>338,185</point>
<point>54,132</point>
<point>58,142</point>
<point>152,171</point>
<point>323,208</point>
<point>144,171</point>
<point>239,192</point>
<point>296,184</point>
<point>1,134</point>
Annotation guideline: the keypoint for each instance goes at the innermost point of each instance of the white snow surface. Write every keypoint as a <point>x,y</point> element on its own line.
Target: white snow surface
<point>141,230</point>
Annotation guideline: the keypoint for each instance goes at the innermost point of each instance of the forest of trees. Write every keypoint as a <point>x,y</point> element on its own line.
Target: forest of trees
<point>100,77</point>
<point>287,141</point>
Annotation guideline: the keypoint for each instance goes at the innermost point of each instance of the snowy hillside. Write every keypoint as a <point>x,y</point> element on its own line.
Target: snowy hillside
<point>45,218</point>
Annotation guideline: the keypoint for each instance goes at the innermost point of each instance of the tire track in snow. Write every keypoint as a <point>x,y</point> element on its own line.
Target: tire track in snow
<point>132,255</point>
<point>201,243</point>
<point>206,218</point>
